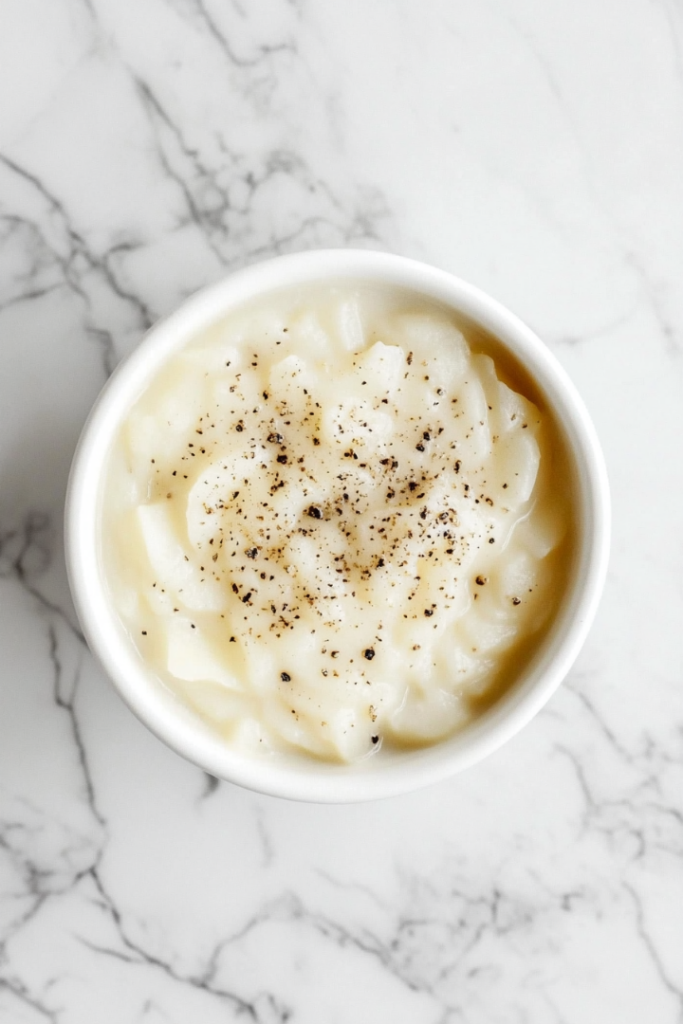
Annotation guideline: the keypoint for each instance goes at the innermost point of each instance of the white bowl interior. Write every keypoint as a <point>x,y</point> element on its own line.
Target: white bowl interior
<point>295,776</point>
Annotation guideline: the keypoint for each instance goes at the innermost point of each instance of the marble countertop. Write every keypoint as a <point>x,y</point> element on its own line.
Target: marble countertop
<point>536,149</point>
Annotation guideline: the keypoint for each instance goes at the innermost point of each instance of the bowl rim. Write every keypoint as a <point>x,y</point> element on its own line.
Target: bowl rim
<point>303,778</point>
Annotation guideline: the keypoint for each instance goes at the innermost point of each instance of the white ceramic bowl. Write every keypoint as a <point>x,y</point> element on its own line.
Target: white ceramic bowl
<point>297,777</point>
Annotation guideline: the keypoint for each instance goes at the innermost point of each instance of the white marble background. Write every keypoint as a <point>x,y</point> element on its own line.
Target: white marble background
<point>147,147</point>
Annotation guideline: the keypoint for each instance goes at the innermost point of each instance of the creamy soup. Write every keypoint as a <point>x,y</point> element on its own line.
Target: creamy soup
<point>333,524</point>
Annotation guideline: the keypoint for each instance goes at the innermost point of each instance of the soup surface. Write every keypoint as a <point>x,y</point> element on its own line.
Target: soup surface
<point>333,524</point>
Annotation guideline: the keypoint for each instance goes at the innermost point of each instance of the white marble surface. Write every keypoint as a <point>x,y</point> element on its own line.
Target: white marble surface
<point>147,147</point>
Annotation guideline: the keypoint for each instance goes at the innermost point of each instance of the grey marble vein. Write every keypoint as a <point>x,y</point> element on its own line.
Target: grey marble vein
<point>146,151</point>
